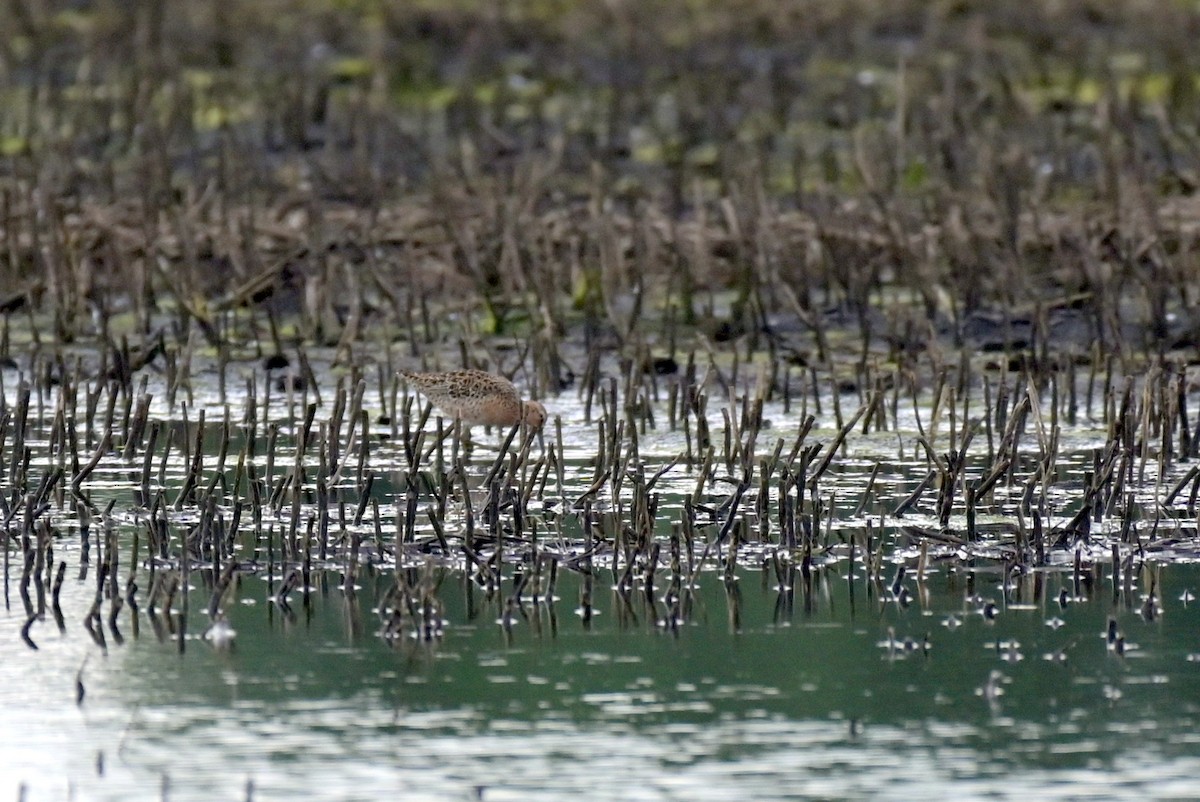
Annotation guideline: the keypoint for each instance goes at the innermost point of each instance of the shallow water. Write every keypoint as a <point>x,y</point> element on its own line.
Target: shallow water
<point>974,681</point>
<point>761,694</point>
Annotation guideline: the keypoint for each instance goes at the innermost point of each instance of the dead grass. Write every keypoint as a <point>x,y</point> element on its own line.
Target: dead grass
<point>558,168</point>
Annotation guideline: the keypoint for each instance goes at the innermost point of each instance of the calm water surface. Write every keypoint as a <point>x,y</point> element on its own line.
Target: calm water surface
<point>762,694</point>
<point>973,688</point>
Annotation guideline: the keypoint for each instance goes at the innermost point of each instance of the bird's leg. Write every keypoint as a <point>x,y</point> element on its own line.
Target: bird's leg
<point>468,443</point>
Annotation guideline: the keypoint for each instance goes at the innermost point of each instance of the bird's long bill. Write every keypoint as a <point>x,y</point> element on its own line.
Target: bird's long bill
<point>528,435</point>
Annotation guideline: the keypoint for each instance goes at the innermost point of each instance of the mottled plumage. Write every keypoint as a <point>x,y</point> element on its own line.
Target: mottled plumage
<point>477,397</point>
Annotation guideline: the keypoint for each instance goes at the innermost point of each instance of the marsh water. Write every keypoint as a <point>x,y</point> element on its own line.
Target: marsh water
<point>960,675</point>
<point>756,697</point>
<point>870,334</point>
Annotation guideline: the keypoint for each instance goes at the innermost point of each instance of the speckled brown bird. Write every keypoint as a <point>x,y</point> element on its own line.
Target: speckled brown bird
<point>475,396</point>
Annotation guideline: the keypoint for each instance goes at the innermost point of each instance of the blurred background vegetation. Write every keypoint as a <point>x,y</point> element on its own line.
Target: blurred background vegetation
<point>957,155</point>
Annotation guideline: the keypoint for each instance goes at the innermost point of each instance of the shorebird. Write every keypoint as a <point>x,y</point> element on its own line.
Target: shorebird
<point>474,396</point>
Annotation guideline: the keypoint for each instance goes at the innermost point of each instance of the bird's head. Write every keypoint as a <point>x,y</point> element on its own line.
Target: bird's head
<point>533,415</point>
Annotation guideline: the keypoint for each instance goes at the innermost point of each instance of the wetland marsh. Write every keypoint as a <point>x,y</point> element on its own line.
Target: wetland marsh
<point>869,338</point>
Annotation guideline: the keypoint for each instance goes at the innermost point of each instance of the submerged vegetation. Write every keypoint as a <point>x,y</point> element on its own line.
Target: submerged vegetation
<point>893,283</point>
<point>891,310</point>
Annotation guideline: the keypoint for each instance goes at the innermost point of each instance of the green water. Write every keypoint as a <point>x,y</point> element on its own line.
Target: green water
<point>832,687</point>
<point>761,694</point>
